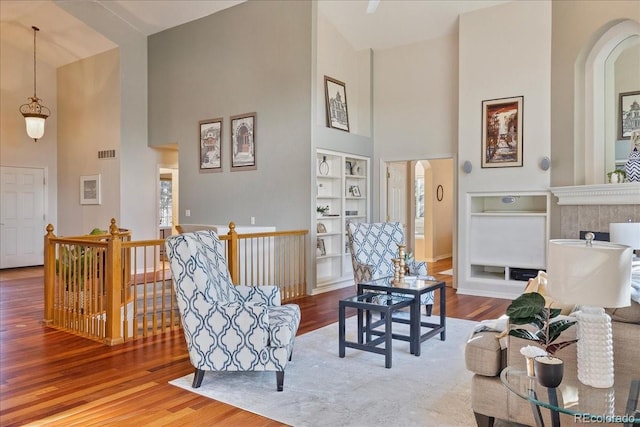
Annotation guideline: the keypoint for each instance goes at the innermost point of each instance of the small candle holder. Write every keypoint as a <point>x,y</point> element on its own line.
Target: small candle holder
<point>396,271</point>
<point>401,254</point>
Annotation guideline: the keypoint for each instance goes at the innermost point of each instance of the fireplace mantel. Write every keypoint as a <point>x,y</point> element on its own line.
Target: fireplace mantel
<point>627,193</point>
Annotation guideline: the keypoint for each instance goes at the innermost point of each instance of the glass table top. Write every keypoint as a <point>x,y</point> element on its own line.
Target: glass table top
<point>585,403</point>
<point>379,299</point>
<point>409,282</point>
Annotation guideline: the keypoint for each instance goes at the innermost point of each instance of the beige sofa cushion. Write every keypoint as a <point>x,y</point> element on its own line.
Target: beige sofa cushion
<point>482,354</point>
<point>629,314</point>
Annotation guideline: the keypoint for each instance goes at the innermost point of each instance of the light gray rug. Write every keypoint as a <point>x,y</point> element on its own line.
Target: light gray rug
<point>321,389</point>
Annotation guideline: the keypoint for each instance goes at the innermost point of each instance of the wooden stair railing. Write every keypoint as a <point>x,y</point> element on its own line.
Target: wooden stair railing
<point>112,289</point>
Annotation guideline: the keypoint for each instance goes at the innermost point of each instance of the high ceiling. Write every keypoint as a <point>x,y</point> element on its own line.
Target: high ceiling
<point>64,39</point>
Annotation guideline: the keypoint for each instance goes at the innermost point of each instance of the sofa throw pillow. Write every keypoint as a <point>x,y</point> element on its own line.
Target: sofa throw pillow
<point>539,284</point>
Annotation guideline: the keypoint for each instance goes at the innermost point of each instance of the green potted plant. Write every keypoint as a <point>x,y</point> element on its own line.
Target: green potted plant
<point>71,265</point>
<point>617,176</point>
<point>322,210</point>
<point>530,309</point>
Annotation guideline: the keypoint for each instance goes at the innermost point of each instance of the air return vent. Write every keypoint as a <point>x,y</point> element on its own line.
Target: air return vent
<point>107,154</point>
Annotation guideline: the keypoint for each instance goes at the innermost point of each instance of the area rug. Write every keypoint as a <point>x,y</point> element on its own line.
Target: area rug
<point>322,389</point>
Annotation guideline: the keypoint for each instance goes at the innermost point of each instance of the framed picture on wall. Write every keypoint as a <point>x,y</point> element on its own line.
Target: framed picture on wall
<point>90,190</point>
<point>210,145</point>
<point>628,113</point>
<point>335,93</point>
<point>502,132</point>
<point>243,142</point>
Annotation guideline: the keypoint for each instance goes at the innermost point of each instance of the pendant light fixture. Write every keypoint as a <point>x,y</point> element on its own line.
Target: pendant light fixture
<point>34,113</point>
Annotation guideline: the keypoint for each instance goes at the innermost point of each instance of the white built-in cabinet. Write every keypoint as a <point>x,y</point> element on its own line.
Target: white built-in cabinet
<point>507,234</point>
<point>342,186</point>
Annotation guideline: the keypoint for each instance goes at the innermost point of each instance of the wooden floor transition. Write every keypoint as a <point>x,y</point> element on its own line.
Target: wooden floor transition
<point>52,378</point>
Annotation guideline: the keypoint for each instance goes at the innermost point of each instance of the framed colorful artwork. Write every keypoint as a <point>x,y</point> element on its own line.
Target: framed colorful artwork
<point>502,132</point>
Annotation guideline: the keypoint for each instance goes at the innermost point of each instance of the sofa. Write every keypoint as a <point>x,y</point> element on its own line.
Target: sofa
<point>488,352</point>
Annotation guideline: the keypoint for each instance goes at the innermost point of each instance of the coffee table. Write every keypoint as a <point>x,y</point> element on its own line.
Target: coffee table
<point>413,287</point>
<point>384,304</point>
<point>589,405</point>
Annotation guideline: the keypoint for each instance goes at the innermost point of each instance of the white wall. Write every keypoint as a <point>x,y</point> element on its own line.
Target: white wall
<point>415,103</point>
<point>16,148</point>
<point>89,120</point>
<point>337,59</point>
<point>505,51</point>
<point>253,57</point>
<point>138,210</point>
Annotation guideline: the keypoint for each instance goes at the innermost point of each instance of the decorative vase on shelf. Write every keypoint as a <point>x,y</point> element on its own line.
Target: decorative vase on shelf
<point>324,166</point>
<point>632,167</point>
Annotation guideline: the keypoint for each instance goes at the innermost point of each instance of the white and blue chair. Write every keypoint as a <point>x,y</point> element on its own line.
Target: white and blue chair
<point>373,246</point>
<point>228,327</point>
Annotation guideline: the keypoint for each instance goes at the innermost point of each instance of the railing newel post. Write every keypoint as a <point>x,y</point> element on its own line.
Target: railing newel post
<point>232,248</point>
<point>49,275</point>
<point>113,331</point>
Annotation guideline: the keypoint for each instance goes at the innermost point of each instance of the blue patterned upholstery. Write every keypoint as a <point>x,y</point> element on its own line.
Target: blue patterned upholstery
<point>227,327</point>
<point>373,247</point>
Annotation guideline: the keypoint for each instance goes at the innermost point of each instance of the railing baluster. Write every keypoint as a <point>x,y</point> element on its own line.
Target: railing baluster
<point>111,289</point>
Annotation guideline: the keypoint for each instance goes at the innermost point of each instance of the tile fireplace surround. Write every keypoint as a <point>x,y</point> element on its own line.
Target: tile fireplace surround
<point>593,207</point>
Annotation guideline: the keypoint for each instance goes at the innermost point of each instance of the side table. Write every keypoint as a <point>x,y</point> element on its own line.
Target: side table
<point>617,404</point>
<point>413,288</point>
<point>384,304</point>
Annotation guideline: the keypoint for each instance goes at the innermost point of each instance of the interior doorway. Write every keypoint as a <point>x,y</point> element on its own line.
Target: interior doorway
<point>420,195</point>
<point>167,201</point>
<point>22,216</point>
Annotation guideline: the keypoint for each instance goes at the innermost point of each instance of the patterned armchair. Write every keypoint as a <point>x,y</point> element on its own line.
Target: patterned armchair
<point>227,327</point>
<point>373,246</point>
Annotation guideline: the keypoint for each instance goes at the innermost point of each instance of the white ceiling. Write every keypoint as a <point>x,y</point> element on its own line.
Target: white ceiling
<point>63,38</point>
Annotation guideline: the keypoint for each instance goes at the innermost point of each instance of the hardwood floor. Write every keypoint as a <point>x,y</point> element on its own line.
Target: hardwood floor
<point>49,377</point>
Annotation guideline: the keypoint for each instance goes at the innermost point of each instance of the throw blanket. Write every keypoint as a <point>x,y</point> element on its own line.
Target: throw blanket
<point>635,281</point>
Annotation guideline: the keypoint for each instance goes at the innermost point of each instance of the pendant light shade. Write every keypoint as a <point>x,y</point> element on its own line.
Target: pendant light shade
<point>34,113</point>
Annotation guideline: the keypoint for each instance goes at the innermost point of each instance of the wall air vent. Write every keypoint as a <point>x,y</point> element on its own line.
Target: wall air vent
<point>107,154</point>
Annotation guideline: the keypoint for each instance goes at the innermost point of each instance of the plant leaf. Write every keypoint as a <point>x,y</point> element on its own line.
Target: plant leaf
<point>555,328</point>
<point>525,307</point>
<point>555,312</point>
<point>524,334</point>
<point>552,348</point>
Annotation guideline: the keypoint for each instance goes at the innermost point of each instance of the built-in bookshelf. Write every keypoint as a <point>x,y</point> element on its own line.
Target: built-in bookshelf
<point>342,194</point>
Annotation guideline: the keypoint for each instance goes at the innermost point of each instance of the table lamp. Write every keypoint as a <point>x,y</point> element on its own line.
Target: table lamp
<point>593,275</point>
<point>626,233</point>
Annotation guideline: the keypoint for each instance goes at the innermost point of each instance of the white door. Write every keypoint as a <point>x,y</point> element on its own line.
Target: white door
<point>397,192</point>
<point>21,217</point>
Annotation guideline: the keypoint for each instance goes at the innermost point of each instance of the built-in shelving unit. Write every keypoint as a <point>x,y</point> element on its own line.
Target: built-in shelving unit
<point>342,186</point>
<point>507,239</point>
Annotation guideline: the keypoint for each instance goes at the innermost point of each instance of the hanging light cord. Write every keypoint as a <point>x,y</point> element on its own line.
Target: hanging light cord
<point>35,30</point>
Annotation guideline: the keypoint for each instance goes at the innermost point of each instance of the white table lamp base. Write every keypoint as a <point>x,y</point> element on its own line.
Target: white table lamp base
<point>595,347</point>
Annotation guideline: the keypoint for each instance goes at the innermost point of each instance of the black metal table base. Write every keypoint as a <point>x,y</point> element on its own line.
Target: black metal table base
<point>369,339</point>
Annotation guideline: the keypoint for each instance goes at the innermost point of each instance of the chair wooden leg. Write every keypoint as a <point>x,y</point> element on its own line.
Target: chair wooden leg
<point>280,380</point>
<point>197,378</point>
<point>428,308</point>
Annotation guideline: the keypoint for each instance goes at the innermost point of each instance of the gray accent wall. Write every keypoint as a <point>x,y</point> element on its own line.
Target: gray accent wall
<point>254,57</point>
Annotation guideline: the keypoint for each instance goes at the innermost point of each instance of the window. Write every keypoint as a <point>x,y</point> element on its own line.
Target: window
<point>166,202</point>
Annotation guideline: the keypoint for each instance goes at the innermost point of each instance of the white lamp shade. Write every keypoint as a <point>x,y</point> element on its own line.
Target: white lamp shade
<point>625,233</point>
<point>35,127</point>
<point>598,276</point>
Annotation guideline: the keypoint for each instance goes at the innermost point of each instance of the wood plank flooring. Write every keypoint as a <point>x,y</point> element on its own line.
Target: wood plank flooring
<point>48,377</point>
